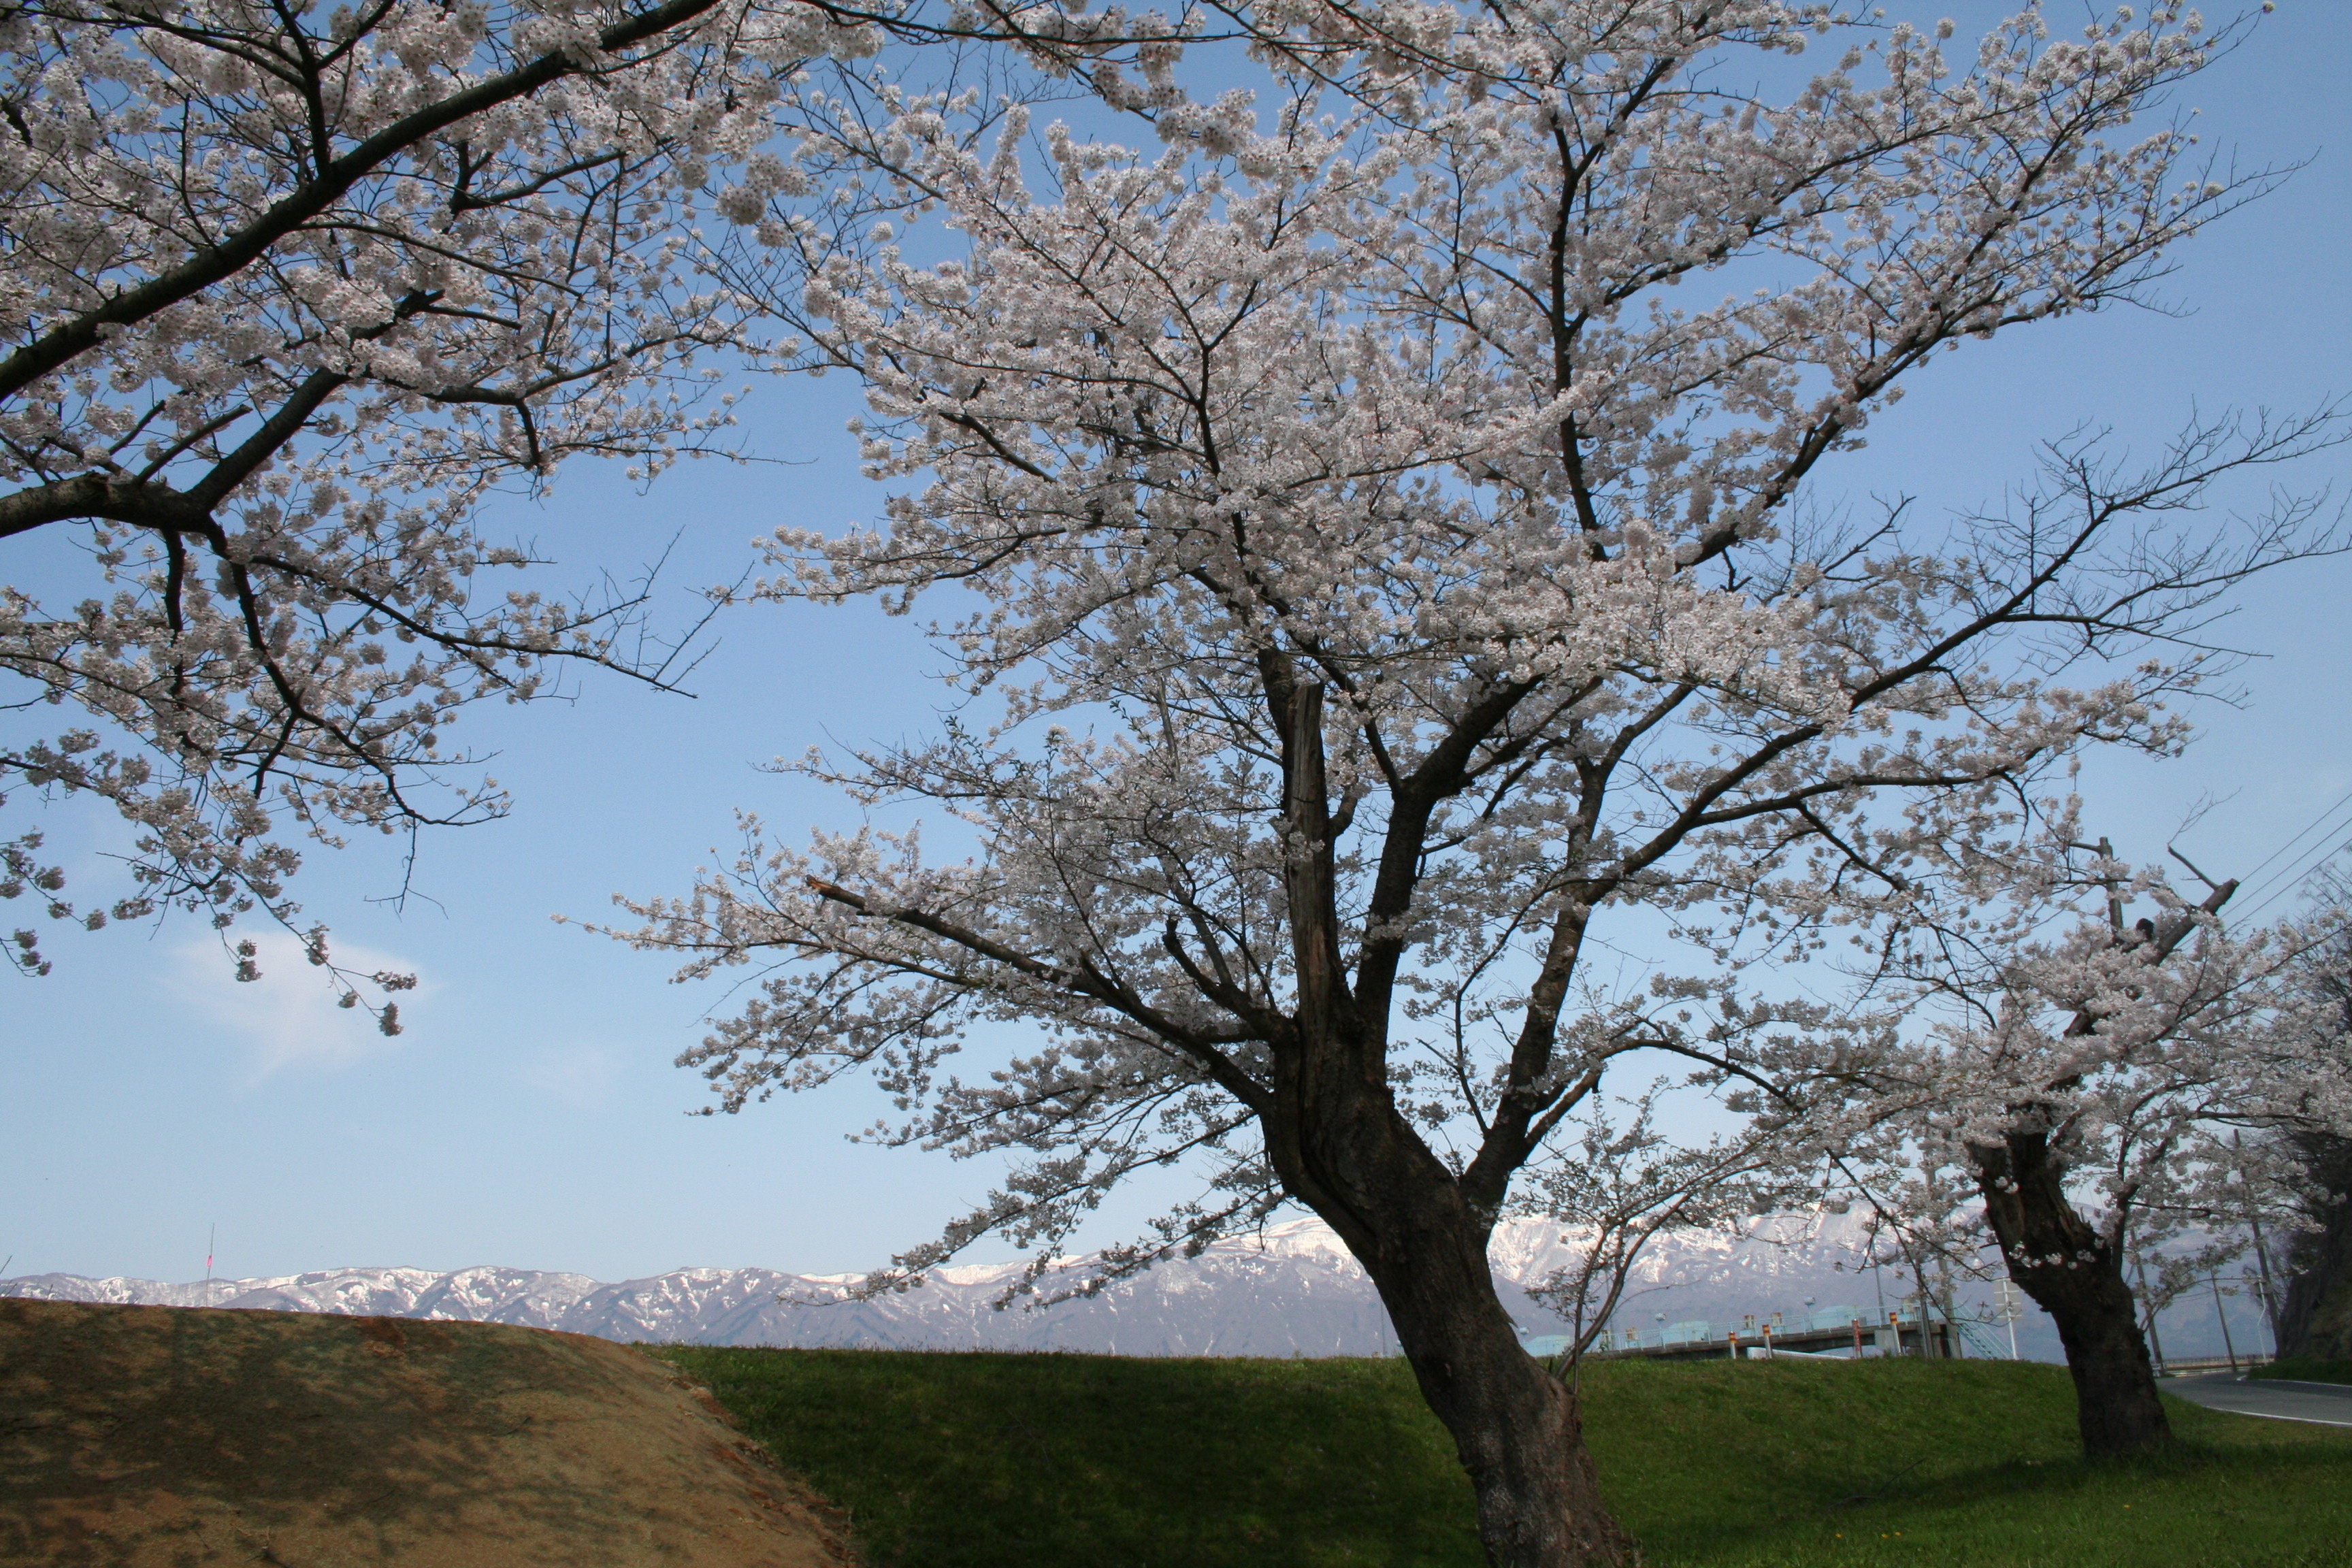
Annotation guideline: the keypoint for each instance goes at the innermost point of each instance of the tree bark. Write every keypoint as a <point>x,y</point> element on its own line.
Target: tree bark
<point>2069,1269</point>
<point>1339,1146</point>
<point>1516,1428</point>
<point>2316,1317</point>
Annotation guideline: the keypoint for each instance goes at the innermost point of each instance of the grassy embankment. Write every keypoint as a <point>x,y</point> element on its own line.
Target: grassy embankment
<point>993,1461</point>
<point>2306,1369</point>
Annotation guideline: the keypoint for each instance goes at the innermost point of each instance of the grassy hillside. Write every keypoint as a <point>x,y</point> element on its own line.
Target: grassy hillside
<point>992,1461</point>
<point>203,1437</point>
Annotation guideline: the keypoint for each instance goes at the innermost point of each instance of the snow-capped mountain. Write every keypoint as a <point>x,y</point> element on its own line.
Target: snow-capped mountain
<point>1292,1289</point>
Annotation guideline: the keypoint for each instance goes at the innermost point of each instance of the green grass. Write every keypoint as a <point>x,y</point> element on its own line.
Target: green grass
<point>992,1461</point>
<point>1947,1463</point>
<point>957,1461</point>
<point>2306,1369</point>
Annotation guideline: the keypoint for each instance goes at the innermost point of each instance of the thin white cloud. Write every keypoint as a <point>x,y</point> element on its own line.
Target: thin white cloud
<point>289,1017</point>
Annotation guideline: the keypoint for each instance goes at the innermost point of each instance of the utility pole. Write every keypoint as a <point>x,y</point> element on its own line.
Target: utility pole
<point>2262,1259</point>
<point>2270,1301</point>
<point>2214,1279</point>
<point>2009,1309</point>
<point>2155,1341</point>
<point>1927,1309</point>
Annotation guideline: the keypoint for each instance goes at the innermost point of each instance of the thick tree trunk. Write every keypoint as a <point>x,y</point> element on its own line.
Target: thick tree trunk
<point>1516,1426</point>
<point>2316,1317</point>
<point>1337,1140</point>
<point>2061,1261</point>
<point>2117,1408</point>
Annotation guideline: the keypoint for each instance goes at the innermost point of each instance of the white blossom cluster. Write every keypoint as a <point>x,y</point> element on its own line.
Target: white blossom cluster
<point>287,288</point>
<point>1392,571</point>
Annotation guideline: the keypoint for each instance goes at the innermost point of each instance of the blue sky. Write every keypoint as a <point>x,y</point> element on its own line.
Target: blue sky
<point>530,1115</point>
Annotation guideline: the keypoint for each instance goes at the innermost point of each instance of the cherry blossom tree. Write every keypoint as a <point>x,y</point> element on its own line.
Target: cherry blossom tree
<point>289,289</point>
<point>2100,1094</point>
<point>1617,1183</point>
<point>1385,586</point>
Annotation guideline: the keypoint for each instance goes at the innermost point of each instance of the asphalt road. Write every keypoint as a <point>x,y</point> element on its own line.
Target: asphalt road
<point>2329,1404</point>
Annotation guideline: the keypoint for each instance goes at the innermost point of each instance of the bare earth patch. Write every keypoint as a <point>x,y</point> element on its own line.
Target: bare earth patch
<point>174,1437</point>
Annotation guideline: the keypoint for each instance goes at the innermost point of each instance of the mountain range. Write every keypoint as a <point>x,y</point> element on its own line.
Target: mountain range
<point>1290,1289</point>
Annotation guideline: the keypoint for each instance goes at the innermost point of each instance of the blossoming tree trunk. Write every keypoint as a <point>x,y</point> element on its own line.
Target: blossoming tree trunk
<point>2070,1266</point>
<point>2076,1275</point>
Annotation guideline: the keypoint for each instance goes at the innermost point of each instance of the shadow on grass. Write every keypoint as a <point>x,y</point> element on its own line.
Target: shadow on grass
<point>967,1460</point>
<point>1987,1500</point>
<point>994,1460</point>
<point>1968,1466</point>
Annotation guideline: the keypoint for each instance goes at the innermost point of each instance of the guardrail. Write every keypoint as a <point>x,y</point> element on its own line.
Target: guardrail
<point>2192,1366</point>
<point>1854,1339</point>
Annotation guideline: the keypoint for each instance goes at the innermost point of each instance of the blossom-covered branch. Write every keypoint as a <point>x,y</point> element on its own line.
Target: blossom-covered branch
<point>1386,587</point>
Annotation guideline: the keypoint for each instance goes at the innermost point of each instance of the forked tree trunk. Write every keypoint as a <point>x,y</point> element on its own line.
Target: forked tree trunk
<point>1337,1140</point>
<point>2057,1259</point>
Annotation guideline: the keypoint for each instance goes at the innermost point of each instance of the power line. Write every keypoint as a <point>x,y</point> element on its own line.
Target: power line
<point>2270,890</point>
<point>2285,887</point>
<point>2308,829</point>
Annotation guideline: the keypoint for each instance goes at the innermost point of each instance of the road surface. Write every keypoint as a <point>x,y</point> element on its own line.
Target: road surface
<point>2329,1404</point>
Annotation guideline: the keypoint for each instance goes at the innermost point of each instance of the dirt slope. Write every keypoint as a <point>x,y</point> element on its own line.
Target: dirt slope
<point>173,1438</point>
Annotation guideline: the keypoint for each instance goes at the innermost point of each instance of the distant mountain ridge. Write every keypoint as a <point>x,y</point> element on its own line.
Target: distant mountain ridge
<point>1292,1289</point>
